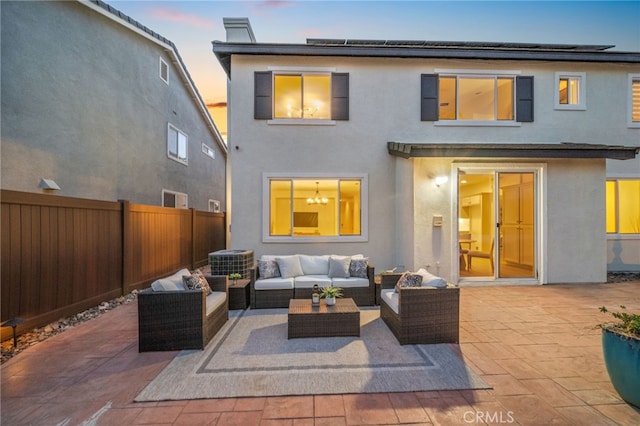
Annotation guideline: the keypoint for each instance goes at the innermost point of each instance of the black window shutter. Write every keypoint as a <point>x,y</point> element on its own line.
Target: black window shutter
<point>524,99</point>
<point>263,104</point>
<point>340,96</point>
<point>429,97</point>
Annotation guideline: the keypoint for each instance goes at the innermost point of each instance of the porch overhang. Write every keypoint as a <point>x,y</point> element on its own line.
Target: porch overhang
<point>509,150</point>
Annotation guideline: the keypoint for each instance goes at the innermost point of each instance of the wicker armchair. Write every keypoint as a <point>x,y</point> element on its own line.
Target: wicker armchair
<point>176,320</point>
<point>424,315</point>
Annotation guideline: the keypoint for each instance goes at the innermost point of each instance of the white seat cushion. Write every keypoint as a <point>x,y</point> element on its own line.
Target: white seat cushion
<point>172,282</point>
<point>274,284</point>
<point>307,281</point>
<point>390,297</point>
<point>215,299</point>
<point>350,282</point>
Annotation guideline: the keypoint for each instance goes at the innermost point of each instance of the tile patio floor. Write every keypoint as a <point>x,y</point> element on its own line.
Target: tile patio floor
<point>535,345</point>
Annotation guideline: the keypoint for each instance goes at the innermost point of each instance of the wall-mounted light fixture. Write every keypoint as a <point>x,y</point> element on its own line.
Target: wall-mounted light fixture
<point>48,185</point>
<point>441,180</point>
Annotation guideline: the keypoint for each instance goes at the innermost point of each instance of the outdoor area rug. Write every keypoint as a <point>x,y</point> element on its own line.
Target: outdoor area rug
<point>251,356</point>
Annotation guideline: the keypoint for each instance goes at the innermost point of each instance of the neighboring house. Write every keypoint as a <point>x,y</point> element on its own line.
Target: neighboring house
<point>105,108</point>
<point>437,154</point>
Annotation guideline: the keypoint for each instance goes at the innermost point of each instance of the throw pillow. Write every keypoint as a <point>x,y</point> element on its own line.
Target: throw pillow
<point>268,269</point>
<point>358,267</point>
<point>289,266</point>
<point>339,266</point>
<point>196,281</point>
<point>409,279</point>
<point>430,280</point>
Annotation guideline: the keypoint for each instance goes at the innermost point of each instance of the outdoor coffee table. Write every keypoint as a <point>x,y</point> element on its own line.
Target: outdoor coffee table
<point>306,320</point>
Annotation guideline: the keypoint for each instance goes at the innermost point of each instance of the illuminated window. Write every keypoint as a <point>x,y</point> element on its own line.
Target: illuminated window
<point>315,208</point>
<point>177,145</point>
<point>634,100</point>
<point>305,96</point>
<point>570,91</point>
<point>476,98</point>
<point>623,206</point>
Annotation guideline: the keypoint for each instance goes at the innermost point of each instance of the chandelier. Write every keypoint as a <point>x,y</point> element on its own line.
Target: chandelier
<point>318,199</point>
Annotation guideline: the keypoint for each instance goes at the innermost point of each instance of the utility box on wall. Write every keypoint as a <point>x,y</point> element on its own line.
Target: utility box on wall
<point>225,262</point>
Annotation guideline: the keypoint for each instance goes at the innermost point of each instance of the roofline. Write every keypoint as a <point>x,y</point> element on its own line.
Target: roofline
<point>115,15</point>
<point>224,51</point>
<point>521,150</point>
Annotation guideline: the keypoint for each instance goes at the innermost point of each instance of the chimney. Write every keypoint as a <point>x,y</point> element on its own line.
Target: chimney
<point>239,30</point>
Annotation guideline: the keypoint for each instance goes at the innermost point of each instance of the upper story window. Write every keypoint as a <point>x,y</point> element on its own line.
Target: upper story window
<point>454,97</point>
<point>305,97</point>
<point>633,113</point>
<point>623,206</point>
<point>164,71</point>
<point>208,151</point>
<point>479,98</point>
<point>177,144</point>
<point>570,92</point>
<point>310,209</point>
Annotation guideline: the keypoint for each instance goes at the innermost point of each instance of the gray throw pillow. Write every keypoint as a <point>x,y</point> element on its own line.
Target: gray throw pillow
<point>268,269</point>
<point>358,267</point>
<point>289,266</point>
<point>339,266</point>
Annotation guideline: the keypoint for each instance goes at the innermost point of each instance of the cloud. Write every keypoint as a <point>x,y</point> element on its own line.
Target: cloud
<point>173,15</point>
<point>269,5</point>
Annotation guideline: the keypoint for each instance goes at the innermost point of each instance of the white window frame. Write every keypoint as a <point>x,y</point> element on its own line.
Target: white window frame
<point>185,160</point>
<point>214,206</point>
<point>163,64</point>
<point>208,151</point>
<point>181,199</point>
<point>631,124</point>
<point>471,73</point>
<point>582,90</point>
<point>364,208</point>
<point>299,71</point>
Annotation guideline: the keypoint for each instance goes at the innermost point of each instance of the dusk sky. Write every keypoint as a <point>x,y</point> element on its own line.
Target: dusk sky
<point>192,25</point>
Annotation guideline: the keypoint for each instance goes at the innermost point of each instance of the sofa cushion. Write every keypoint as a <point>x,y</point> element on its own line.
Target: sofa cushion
<point>214,300</point>
<point>409,279</point>
<point>339,266</point>
<point>197,281</point>
<point>274,284</point>
<point>358,267</point>
<point>171,283</point>
<point>268,268</point>
<point>289,266</point>
<point>390,298</point>
<point>350,282</point>
<point>430,280</point>
<point>314,265</point>
<point>307,281</point>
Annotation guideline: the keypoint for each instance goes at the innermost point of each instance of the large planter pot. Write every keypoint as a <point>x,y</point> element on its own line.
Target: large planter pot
<point>622,359</point>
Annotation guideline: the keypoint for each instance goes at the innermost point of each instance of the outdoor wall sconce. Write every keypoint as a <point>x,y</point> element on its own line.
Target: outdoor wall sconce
<point>48,185</point>
<point>441,180</point>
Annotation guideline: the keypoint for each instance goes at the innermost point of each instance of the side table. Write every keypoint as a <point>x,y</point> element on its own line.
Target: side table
<point>239,294</point>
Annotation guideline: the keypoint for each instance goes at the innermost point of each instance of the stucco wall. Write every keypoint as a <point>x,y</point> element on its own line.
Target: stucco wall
<point>83,104</point>
<point>385,106</point>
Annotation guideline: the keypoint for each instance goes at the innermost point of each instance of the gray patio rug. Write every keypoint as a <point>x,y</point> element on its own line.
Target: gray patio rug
<point>251,356</point>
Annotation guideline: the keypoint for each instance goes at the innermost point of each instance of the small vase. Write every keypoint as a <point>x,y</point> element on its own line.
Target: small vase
<point>330,301</point>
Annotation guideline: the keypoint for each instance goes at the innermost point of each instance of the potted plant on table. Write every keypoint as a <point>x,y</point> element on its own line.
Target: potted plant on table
<point>330,293</point>
<point>621,350</point>
<point>235,277</point>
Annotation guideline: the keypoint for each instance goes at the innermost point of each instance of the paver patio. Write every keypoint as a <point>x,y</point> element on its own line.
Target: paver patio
<point>537,346</point>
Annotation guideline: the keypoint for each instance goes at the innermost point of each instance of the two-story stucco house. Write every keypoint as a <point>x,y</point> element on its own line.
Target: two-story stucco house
<point>103,107</point>
<point>485,162</point>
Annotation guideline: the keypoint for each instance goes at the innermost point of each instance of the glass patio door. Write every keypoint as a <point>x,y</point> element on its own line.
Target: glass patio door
<point>496,224</point>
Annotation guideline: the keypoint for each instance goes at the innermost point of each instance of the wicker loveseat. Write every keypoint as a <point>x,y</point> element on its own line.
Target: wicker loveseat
<point>181,319</point>
<point>420,315</point>
<point>275,292</point>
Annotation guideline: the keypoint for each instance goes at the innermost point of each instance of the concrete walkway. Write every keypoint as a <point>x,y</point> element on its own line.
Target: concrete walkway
<point>537,347</point>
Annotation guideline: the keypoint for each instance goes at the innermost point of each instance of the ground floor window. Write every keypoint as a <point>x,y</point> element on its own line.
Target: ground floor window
<point>315,208</point>
<point>623,206</point>
<point>174,199</point>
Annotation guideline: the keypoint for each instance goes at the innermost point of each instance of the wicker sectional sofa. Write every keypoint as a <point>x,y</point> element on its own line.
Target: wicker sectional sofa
<point>420,315</point>
<point>296,275</point>
<point>176,318</point>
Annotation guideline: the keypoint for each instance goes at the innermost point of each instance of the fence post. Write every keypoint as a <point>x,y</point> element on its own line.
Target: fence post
<point>193,238</point>
<point>126,245</point>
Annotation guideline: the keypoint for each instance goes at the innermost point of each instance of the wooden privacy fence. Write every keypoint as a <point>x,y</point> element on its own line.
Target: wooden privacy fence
<point>62,255</point>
